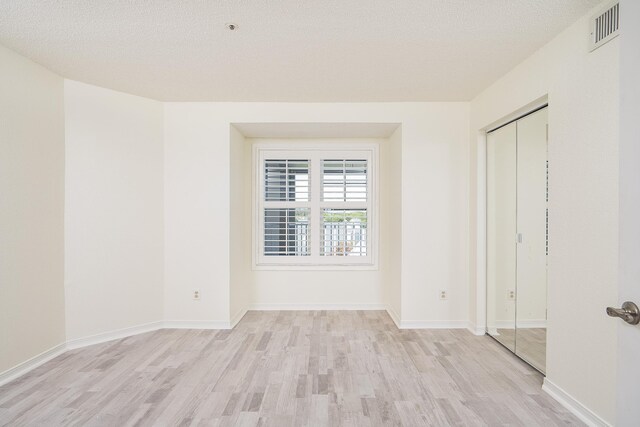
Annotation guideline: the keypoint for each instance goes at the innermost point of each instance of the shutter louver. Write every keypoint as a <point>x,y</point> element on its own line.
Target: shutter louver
<point>344,230</point>
<point>286,227</point>
<point>315,207</point>
<point>286,180</point>
<point>286,232</point>
<point>344,180</point>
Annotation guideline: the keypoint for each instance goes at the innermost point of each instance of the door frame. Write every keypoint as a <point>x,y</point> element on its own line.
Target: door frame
<point>481,204</point>
<point>628,345</point>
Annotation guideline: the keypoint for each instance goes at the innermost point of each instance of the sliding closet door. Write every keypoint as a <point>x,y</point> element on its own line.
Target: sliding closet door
<point>531,276</point>
<point>501,232</point>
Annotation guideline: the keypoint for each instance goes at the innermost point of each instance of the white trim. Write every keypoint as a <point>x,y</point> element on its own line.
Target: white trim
<point>481,201</point>
<point>525,110</point>
<point>333,149</point>
<point>316,130</point>
<point>28,365</point>
<point>434,324</point>
<point>315,267</point>
<point>476,330</point>
<point>481,230</point>
<point>394,316</point>
<point>520,324</point>
<point>531,324</point>
<point>196,324</point>
<point>32,363</point>
<point>315,307</point>
<point>113,335</point>
<point>574,406</point>
<point>238,317</point>
<point>503,324</point>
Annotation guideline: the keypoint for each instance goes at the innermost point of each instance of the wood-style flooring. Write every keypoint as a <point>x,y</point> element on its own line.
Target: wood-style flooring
<point>289,368</point>
<point>528,343</point>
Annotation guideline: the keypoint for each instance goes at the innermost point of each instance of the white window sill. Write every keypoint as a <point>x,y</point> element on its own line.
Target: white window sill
<point>315,267</point>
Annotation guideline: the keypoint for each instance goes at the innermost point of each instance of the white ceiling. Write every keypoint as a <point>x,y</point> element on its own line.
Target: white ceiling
<point>285,50</point>
<point>316,130</point>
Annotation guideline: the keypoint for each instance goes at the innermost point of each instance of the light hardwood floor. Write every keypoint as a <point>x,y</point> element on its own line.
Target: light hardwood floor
<point>342,368</point>
<point>529,343</point>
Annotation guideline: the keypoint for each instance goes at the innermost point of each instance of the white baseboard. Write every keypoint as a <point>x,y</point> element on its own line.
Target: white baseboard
<point>476,330</point>
<point>113,335</point>
<point>238,317</point>
<point>196,324</point>
<point>38,360</point>
<point>314,307</point>
<point>575,407</point>
<point>434,324</point>
<point>28,365</point>
<point>522,324</point>
<point>394,316</point>
<point>146,327</point>
<point>531,324</point>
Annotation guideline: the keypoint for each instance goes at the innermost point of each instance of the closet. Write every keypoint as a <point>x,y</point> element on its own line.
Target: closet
<point>517,236</point>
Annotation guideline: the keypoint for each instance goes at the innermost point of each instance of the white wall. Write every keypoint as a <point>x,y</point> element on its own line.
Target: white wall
<point>31,210</point>
<point>197,203</point>
<point>340,289</point>
<point>117,219</point>
<point>582,91</point>
<point>391,230</point>
<point>240,275</point>
<point>317,289</point>
<point>197,213</point>
<point>114,210</point>
<point>434,216</point>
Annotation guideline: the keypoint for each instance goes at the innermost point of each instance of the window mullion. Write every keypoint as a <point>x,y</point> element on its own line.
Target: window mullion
<point>352,198</point>
<point>344,205</point>
<point>285,204</point>
<point>316,215</point>
<point>344,180</point>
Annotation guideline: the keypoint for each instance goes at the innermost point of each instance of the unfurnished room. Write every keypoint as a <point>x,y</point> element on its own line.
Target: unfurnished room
<point>319,213</point>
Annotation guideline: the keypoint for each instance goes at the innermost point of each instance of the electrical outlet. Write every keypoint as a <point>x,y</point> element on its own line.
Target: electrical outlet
<point>196,294</point>
<point>443,295</point>
<point>511,295</point>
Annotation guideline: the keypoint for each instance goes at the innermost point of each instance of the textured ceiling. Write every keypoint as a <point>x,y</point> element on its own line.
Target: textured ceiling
<point>285,50</point>
<point>316,130</point>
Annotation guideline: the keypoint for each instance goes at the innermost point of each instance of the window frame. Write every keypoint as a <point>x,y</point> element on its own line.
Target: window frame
<point>330,150</point>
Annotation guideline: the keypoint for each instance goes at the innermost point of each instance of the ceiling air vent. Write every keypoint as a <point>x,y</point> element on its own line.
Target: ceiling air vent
<point>605,26</point>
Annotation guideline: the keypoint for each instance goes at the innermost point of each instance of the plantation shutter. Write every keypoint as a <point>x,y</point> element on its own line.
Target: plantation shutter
<point>286,226</point>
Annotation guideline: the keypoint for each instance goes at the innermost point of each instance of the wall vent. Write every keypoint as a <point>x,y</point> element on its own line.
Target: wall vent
<point>605,25</point>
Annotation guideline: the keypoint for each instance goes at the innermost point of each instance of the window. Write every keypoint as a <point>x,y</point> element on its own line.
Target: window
<point>314,207</point>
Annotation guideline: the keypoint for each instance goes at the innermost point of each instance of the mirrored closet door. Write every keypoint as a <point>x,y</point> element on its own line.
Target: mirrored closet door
<point>517,236</point>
